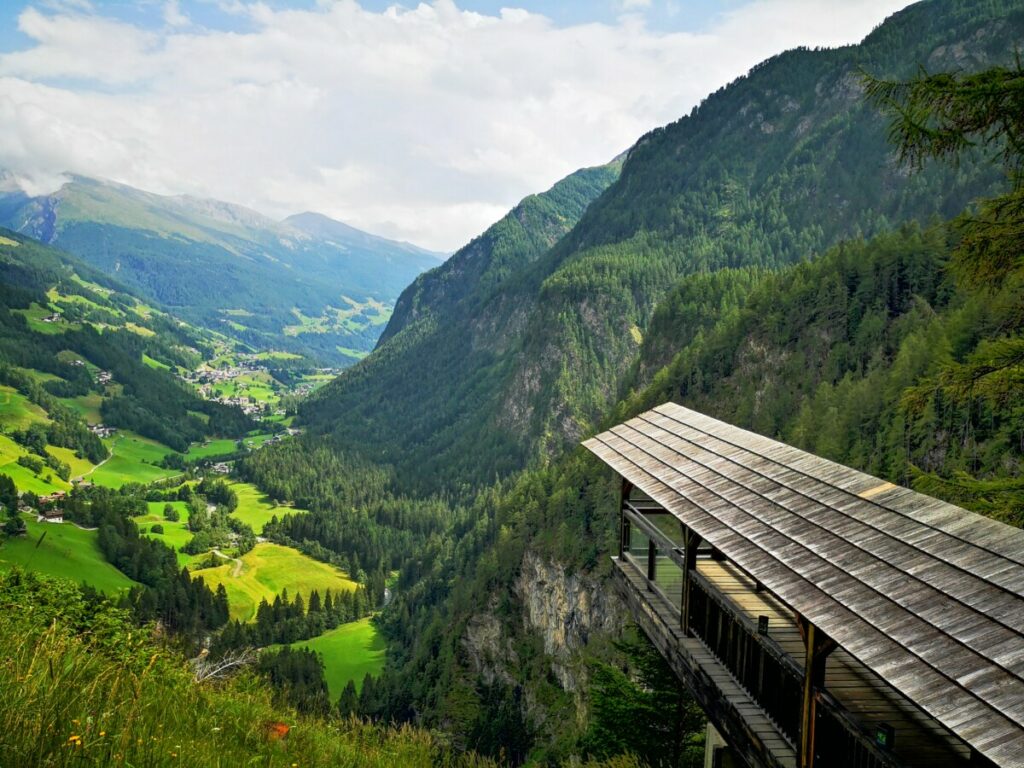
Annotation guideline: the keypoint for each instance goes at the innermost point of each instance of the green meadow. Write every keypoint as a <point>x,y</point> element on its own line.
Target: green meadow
<point>151,363</point>
<point>211,448</point>
<point>78,466</point>
<point>268,570</point>
<point>175,535</point>
<point>134,459</point>
<point>255,508</point>
<point>86,406</point>
<point>349,652</point>
<point>16,412</point>
<point>259,386</point>
<point>24,478</point>
<point>66,551</point>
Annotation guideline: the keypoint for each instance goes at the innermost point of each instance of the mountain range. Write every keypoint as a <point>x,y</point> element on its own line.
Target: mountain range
<point>307,284</point>
<point>525,347</point>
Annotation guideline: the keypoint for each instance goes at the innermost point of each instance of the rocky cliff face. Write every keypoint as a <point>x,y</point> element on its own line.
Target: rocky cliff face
<point>566,609</point>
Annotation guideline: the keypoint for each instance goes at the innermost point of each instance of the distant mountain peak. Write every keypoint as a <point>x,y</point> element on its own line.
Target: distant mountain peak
<point>322,226</point>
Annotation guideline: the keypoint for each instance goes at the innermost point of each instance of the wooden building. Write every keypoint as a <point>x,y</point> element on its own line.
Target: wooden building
<point>822,617</point>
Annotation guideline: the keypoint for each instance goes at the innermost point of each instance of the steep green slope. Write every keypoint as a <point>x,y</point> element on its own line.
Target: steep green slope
<point>67,339</point>
<point>228,267</point>
<point>434,369</point>
<point>770,170</point>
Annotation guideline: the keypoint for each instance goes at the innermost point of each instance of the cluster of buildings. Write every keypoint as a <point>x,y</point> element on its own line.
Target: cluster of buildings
<point>102,430</point>
<point>206,379</point>
<point>49,510</point>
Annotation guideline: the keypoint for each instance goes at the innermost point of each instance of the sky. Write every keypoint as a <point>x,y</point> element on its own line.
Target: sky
<point>421,122</point>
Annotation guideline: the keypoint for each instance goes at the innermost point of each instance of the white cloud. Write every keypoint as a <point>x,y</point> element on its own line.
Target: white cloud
<point>173,15</point>
<point>424,123</point>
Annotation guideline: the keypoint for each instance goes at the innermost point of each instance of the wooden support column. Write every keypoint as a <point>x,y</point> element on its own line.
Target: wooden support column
<point>691,540</point>
<point>817,647</point>
<point>652,563</point>
<point>624,534</point>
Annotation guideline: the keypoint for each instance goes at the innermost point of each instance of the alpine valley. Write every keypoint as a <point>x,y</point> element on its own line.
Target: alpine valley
<point>324,491</point>
<point>307,285</point>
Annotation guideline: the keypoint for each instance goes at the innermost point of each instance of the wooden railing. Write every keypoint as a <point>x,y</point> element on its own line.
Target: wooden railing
<point>770,676</point>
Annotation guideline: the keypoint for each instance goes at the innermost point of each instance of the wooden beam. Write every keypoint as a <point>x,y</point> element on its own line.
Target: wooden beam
<point>624,490</point>
<point>691,540</point>
<point>817,647</point>
<point>652,562</point>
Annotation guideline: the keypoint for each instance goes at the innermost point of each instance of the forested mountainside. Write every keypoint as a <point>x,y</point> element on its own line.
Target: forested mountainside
<point>768,171</point>
<point>97,344</point>
<point>440,349</point>
<point>307,284</point>
<point>767,259</point>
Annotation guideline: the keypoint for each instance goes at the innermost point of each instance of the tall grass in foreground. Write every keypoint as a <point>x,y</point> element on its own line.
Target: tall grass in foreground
<point>87,689</point>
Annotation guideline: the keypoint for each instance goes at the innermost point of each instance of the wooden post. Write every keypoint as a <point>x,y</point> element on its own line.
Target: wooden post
<point>817,647</point>
<point>652,562</point>
<point>691,540</point>
<point>624,533</point>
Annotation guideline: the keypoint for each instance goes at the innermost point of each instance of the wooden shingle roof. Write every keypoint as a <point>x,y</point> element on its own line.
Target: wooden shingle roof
<point>927,595</point>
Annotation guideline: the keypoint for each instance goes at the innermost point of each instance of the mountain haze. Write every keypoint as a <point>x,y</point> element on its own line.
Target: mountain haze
<point>307,284</point>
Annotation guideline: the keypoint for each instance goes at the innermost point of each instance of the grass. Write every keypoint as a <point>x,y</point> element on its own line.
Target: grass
<point>133,460</point>
<point>349,652</point>
<point>86,406</point>
<point>78,466</point>
<point>255,508</point>
<point>267,571</point>
<point>24,478</point>
<point>175,535</point>
<point>156,364</point>
<point>355,354</point>
<point>35,314</point>
<point>211,448</point>
<point>115,696</point>
<point>260,386</point>
<point>16,412</point>
<point>356,317</point>
<point>66,551</point>
<point>140,330</point>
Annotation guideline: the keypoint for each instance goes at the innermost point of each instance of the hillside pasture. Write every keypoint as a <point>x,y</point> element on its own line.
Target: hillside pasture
<point>268,570</point>
<point>16,412</point>
<point>79,467</point>
<point>255,508</point>
<point>24,478</point>
<point>134,459</point>
<point>66,551</point>
<point>211,448</point>
<point>349,652</point>
<point>176,535</point>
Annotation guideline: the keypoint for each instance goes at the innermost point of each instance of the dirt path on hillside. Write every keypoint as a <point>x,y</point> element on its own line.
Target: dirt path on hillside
<point>237,571</point>
<point>111,449</point>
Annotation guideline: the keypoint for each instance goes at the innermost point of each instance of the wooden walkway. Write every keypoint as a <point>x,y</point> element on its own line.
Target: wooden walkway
<point>689,653</point>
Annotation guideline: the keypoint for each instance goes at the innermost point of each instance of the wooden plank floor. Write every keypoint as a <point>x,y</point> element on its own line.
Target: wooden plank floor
<point>920,742</point>
<point>780,750</point>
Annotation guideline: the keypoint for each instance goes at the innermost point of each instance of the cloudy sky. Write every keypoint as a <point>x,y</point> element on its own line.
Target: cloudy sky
<point>422,122</point>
